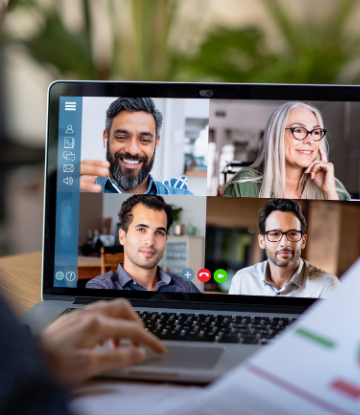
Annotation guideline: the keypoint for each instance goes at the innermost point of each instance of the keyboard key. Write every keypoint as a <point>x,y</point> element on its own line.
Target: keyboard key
<point>244,331</point>
<point>261,320</point>
<point>262,331</point>
<point>229,338</point>
<point>239,326</point>
<point>258,326</point>
<point>242,319</point>
<point>249,340</point>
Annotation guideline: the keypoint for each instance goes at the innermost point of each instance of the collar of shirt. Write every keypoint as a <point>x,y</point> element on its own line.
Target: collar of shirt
<point>152,189</point>
<point>296,279</point>
<point>124,279</point>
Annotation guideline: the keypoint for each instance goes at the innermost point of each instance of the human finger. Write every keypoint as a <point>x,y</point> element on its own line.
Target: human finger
<point>100,163</point>
<point>117,342</point>
<point>99,362</point>
<point>94,168</point>
<point>120,308</point>
<point>102,328</point>
<point>89,316</point>
<point>323,156</point>
<point>310,167</point>
<point>320,167</point>
<point>114,343</point>
<point>315,166</point>
<point>87,184</point>
<point>326,168</point>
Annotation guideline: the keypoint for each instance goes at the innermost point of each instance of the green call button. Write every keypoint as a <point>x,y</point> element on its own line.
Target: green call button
<point>220,275</point>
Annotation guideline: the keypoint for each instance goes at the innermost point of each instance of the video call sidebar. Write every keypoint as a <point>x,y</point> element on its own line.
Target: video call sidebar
<point>68,192</point>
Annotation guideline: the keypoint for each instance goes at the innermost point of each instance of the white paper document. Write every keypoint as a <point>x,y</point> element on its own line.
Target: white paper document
<point>313,369</point>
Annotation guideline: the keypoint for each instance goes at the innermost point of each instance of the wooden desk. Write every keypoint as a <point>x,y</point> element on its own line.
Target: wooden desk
<point>20,278</point>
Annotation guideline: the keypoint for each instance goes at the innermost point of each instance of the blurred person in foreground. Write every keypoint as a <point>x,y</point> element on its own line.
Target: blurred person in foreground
<point>34,378</point>
<point>36,374</point>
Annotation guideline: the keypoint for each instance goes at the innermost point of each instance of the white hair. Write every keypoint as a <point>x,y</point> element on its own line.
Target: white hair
<point>269,167</point>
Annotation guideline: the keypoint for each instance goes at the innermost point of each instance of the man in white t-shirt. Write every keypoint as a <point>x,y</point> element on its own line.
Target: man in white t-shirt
<point>283,237</point>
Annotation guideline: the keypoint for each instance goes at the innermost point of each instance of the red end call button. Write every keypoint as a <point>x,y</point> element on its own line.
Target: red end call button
<point>204,275</point>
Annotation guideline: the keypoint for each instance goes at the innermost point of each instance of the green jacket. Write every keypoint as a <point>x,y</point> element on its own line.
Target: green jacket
<point>252,189</point>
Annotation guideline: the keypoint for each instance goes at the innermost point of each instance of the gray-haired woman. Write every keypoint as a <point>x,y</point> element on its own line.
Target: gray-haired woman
<point>293,160</point>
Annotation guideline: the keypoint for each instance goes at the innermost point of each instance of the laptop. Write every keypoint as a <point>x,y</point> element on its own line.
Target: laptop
<point>215,303</point>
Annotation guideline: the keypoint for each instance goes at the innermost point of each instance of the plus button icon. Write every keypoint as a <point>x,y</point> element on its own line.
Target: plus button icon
<point>187,274</point>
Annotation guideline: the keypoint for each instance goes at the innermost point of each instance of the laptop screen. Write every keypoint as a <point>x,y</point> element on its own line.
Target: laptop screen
<point>222,196</point>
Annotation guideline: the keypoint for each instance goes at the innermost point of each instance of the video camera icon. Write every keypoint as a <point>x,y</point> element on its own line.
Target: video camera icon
<point>220,275</point>
<point>69,155</point>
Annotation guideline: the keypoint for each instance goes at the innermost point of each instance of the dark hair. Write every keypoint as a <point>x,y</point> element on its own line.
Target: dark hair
<point>154,202</point>
<point>284,205</point>
<point>133,105</point>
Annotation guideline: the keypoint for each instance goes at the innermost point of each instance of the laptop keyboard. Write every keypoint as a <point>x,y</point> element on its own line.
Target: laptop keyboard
<point>213,328</point>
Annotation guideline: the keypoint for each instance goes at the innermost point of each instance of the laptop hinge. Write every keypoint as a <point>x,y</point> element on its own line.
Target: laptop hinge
<point>84,300</point>
<point>256,308</point>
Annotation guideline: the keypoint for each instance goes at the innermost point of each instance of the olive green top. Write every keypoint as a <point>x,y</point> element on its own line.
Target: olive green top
<point>252,189</point>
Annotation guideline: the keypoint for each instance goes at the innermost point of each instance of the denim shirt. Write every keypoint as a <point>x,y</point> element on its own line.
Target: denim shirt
<point>175,186</point>
<point>121,280</point>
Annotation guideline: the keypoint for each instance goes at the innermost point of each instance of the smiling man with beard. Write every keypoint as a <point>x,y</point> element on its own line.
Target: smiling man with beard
<point>145,220</point>
<point>131,137</point>
<point>283,237</point>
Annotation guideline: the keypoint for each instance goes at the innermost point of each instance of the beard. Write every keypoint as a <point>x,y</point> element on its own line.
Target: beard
<point>129,179</point>
<point>286,262</point>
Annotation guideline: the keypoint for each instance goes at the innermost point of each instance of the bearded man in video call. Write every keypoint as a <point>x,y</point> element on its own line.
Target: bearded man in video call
<point>131,138</point>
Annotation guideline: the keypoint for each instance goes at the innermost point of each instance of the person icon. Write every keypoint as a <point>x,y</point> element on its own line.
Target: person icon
<point>69,129</point>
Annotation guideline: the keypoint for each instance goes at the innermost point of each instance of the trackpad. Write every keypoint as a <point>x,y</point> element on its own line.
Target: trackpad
<point>185,357</point>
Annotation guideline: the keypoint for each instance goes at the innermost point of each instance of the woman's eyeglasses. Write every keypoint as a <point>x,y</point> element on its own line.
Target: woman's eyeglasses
<point>300,133</point>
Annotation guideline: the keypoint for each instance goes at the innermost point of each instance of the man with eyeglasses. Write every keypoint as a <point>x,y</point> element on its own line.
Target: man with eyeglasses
<point>283,237</point>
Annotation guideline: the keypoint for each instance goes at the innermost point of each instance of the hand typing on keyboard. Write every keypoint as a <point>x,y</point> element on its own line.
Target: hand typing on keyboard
<point>69,342</point>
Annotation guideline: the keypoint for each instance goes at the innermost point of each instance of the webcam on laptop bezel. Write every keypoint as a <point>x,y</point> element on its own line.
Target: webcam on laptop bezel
<point>206,93</point>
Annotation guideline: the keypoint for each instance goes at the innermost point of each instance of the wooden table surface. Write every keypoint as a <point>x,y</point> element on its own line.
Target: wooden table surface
<point>20,279</point>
